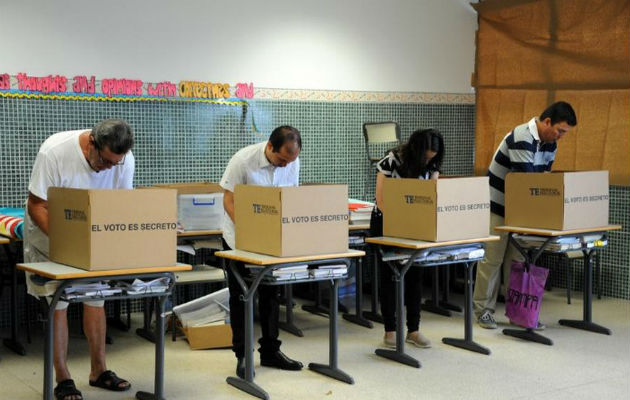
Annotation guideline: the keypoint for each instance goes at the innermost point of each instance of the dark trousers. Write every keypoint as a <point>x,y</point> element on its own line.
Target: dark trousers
<point>268,312</point>
<point>413,296</point>
<point>413,285</point>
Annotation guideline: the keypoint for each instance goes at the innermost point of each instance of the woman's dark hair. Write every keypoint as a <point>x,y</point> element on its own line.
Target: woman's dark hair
<point>412,154</point>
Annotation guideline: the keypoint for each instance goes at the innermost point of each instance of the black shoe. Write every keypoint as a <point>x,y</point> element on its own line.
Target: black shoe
<point>281,361</point>
<point>240,367</point>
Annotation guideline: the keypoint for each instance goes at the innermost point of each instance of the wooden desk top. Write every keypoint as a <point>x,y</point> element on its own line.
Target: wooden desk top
<point>419,244</point>
<point>4,240</point>
<point>200,233</point>
<point>263,259</point>
<point>359,227</point>
<point>550,232</point>
<point>54,270</point>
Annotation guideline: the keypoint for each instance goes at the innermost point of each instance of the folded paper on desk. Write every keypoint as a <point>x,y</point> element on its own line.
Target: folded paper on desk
<point>138,286</point>
<point>562,244</point>
<point>206,321</point>
<point>299,272</point>
<point>97,289</point>
<point>435,255</point>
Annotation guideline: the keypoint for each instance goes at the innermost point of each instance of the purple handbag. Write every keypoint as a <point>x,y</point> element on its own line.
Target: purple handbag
<point>525,293</point>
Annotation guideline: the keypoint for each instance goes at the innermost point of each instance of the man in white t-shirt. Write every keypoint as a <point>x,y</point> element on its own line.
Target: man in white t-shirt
<point>100,158</point>
<point>271,163</point>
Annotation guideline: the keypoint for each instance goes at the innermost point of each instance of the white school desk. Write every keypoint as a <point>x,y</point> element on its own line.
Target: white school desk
<point>270,263</point>
<point>532,254</point>
<point>70,275</point>
<point>399,275</point>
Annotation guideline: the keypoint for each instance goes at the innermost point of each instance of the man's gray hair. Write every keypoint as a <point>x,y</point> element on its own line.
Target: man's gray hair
<point>115,134</point>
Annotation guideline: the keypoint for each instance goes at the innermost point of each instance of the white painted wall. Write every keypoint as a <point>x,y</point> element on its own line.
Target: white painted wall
<point>365,45</point>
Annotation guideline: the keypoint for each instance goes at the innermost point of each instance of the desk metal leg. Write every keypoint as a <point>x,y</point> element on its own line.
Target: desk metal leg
<point>48,350</point>
<point>373,314</point>
<point>399,354</point>
<point>528,334</point>
<point>357,318</point>
<point>288,325</point>
<point>433,305</point>
<point>587,319</point>
<point>332,369</point>
<point>247,385</point>
<point>158,393</point>
<point>467,343</point>
<point>12,343</point>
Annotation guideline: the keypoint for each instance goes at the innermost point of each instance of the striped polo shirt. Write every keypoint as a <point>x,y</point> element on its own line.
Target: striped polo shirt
<point>520,151</point>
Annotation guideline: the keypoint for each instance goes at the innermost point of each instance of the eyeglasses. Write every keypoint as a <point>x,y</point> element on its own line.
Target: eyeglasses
<point>104,161</point>
<point>108,163</point>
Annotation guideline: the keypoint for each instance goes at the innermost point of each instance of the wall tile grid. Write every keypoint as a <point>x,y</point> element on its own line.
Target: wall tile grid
<point>186,141</point>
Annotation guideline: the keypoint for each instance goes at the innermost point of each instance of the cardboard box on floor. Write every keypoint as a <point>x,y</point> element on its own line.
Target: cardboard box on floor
<point>209,336</point>
<point>436,210</point>
<point>291,221</point>
<point>100,230</point>
<point>557,200</point>
<point>199,205</point>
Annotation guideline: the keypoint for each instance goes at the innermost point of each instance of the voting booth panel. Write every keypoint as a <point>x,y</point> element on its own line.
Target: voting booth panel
<point>436,210</point>
<point>557,200</point>
<point>100,230</point>
<point>291,221</point>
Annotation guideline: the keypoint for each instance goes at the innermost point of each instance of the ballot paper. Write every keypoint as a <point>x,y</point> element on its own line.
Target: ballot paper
<point>206,310</point>
<point>97,289</point>
<point>561,244</point>
<point>138,286</point>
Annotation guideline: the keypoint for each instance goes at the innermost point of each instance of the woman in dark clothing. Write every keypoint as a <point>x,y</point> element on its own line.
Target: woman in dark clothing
<point>421,157</point>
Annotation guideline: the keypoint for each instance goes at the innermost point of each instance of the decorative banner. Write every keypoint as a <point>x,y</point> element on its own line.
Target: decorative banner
<point>82,87</point>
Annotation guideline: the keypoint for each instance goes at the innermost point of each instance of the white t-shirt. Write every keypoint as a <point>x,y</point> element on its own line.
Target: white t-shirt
<point>60,162</point>
<point>249,166</point>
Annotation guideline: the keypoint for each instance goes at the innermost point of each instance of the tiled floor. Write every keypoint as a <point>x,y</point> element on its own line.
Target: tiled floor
<point>580,365</point>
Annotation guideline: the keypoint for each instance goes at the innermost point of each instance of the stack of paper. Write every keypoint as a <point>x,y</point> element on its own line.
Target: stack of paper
<point>97,289</point>
<point>562,244</point>
<point>294,272</point>
<point>360,211</point>
<point>138,286</point>
<point>208,310</point>
<point>435,255</point>
<point>329,271</point>
<point>356,240</point>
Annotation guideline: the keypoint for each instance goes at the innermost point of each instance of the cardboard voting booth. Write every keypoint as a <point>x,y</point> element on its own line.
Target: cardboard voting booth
<point>199,205</point>
<point>291,221</point>
<point>557,200</point>
<point>100,230</point>
<point>436,210</point>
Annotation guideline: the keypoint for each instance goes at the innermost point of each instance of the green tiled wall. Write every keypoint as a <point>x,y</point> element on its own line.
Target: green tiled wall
<point>181,141</point>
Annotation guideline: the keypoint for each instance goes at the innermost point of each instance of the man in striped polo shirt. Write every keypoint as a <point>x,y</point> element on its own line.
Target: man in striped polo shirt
<point>530,147</point>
